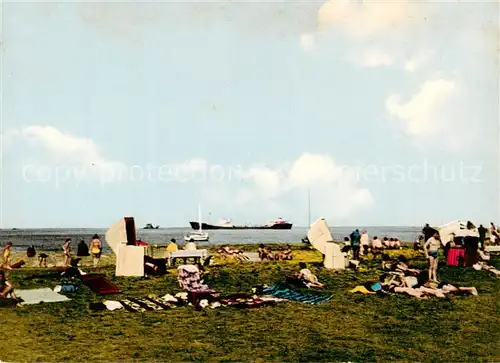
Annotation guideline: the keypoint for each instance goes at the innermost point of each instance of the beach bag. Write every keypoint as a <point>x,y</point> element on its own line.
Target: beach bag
<point>68,288</point>
<point>376,287</point>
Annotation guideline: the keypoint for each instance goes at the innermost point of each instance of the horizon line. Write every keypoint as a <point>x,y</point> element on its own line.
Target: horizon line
<point>183,227</point>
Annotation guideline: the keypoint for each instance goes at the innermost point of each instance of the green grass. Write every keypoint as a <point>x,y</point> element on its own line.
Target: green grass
<point>351,327</point>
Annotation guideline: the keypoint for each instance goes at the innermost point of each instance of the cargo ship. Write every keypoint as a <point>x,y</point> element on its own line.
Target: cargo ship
<point>279,223</point>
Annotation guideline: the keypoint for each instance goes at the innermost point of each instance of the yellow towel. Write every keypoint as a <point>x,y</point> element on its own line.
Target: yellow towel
<point>362,290</point>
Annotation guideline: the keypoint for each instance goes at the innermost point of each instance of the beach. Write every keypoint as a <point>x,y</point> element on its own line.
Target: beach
<point>350,327</point>
<point>52,239</point>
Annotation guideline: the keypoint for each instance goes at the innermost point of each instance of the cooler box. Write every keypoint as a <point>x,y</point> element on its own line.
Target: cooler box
<point>455,255</point>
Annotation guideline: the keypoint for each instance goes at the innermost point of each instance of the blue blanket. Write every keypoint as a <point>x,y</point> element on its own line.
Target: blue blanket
<point>290,293</point>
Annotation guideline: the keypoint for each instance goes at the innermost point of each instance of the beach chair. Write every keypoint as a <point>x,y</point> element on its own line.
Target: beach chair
<point>189,280</point>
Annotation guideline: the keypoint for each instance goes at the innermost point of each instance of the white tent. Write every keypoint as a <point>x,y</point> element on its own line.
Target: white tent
<point>320,237</point>
<point>121,238</point>
<point>459,228</point>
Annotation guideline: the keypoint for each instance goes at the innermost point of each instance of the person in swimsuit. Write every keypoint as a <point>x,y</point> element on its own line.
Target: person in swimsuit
<point>95,249</point>
<point>6,287</point>
<point>284,254</point>
<point>431,249</point>
<point>42,259</point>
<point>67,252</point>
<point>6,255</point>
<point>309,279</point>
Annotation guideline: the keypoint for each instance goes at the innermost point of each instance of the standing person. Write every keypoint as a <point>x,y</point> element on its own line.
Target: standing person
<point>365,242</point>
<point>355,242</point>
<point>67,252</point>
<point>82,249</point>
<point>482,234</point>
<point>432,255</point>
<point>6,255</point>
<point>493,233</point>
<point>95,249</point>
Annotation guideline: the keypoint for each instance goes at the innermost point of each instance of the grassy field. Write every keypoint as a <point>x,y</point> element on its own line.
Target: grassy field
<point>351,327</point>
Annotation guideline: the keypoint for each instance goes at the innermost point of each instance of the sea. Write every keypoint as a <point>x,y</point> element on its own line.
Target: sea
<point>52,239</point>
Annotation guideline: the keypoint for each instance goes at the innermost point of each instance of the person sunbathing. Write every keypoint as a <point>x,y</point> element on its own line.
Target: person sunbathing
<point>226,251</point>
<point>376,244</point>
<point>265,253</point>
<point>448,288</point>
<point>284,254</point>
<point>387,263</point>
<point>385,243</point>
<point>409,285</point>
<point>489,268</point>
<point>6,287</point>
<point>402,265</point>
<point>307,277</point>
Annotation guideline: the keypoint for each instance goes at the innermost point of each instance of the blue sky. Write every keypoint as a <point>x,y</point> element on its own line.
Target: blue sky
<point>349,99</point>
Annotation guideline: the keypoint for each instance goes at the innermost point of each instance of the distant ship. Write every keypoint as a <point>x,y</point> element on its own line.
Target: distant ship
<point>150,226</point>
<point>279,223</point>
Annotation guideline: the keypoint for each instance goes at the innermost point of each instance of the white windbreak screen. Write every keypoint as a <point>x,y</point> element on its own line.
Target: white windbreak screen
<point>116,235</point>
<point>319,235</point>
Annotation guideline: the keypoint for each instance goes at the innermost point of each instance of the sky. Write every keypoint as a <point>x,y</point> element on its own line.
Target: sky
<point>385,113</point>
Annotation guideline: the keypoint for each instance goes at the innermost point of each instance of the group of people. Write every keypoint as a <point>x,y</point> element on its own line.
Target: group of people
<point>360,243</point>
<point>492,238</point>
<point>94,249</point>
<point>283,253</point>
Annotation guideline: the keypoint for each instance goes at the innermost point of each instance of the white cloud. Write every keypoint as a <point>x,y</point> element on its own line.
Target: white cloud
<point>62,149</point>
<point>307,42</point>
<point>377,32</point>
<point>62,146</point>
<point>337,187</point>
<point>424,116</point>
<point>368,19</point>
<point>267,189</point>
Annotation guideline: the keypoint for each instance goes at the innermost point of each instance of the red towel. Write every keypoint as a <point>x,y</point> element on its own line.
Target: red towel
<point>99,284</point>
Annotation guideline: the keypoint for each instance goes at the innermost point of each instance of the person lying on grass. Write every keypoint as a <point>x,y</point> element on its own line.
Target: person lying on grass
<point>483,265</point>
<point>226,251</point>
<point>402,265</point>
<point>284,254</point>
<point>410,286</point>
<point>6,287</point>
<point>307,277</point>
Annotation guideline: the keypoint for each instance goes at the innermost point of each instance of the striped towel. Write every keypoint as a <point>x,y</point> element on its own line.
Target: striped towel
<point>289,293</point>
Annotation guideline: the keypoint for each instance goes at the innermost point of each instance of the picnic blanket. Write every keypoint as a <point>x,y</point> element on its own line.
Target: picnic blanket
<point>36,296</point>
<point>289,293</point>
<point>154,303</point>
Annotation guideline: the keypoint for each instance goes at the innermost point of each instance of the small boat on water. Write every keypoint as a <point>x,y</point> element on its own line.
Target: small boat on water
<point>150,226</point>
<point>199,235</point>
<point>196,236</point>
<point>279,223</point>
